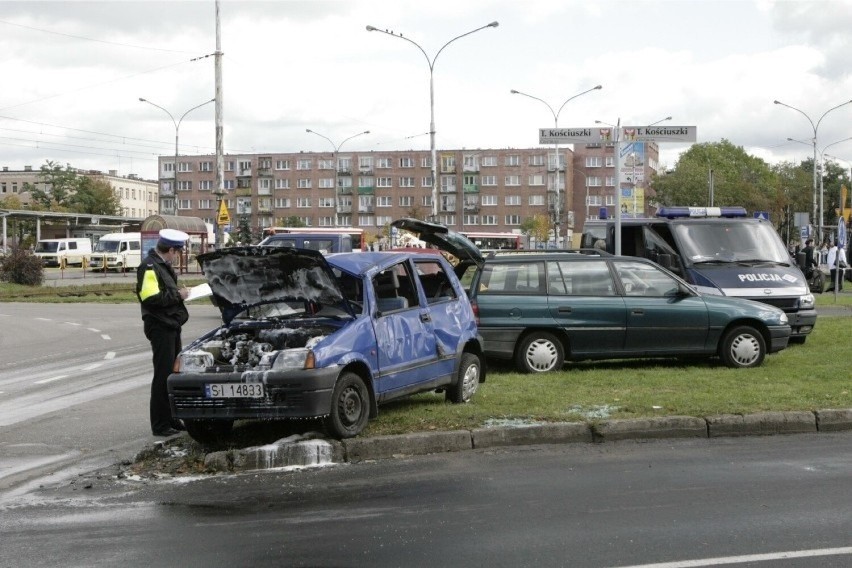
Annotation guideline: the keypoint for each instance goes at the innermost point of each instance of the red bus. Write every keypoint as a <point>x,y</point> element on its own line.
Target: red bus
<point>357,234</point>
<point>495,241</point>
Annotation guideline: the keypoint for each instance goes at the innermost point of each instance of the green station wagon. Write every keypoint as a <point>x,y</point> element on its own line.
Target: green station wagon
<point>541,308</point>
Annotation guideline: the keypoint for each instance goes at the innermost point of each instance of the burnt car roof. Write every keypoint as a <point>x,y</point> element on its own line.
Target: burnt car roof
<point>241,277</point>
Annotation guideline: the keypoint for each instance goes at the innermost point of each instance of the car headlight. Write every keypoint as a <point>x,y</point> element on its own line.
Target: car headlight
<point>784,319</point>
<point>290,359</point>
<point>195,361</point>
<point>806,302</point>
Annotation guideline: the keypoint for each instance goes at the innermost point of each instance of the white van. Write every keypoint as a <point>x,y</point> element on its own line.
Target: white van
<point>59,252</point>
<point>117,251</point>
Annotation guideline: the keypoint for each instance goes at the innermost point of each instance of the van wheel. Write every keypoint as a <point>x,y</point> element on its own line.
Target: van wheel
<point>467,380</point>
<point>350,407</point>
<point>209,432</point>
<point>743,347</point>
<point>539,352</point>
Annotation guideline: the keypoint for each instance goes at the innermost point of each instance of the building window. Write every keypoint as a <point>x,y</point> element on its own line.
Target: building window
<point>427,201</point>
<point>512,180</point>
<point>382,220</point>
<point>426,181</point>
<point>426,162</point>
<point>203,185</point>
<point>326,183</point>
<point>229,166</point>
<point>282,202</point>
<point>489,200</point>
<point>406,201</point>
<point>594,161</point>
<point>304,164</point>
<point>184,204</point>
<point>326,222</point>
<point>513,160</point>
<point>489,219</point>
<point>205,167</point>
<point>303,202</point>
<point>282,184</point>
<point>384,201</point>
<point>205,204</point>
<point>406,182</point>
<point>366,181</point>
<point>406,162</point>
<point>383,163</point>
<point>229,184</point>
<point>365,162</point>
<point>325,164</point>
<point>593,200</point>
<point>365,220</point>
<point>344,165</point>
<point>610,161</point>
<point>184,167</point>
<point>245,167</point>
<point>282,164</point>
<point>489,180</point>
<point>489,161</point>
<point>264,184</point>
<point>384,182</point>
<point>536,179</point>
<point>513,200</point>
<point>537,160</point>
<point>184,185</point>
<point>304,183</point>
<point>513,219</point>
<point>536,200</point>
<point>326,202</point>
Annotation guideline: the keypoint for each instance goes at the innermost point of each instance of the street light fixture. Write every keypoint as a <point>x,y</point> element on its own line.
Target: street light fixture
<point>336,165</point>
<point>431,63</point>
<point>556,146</point>
<point>177,129</point>
<point>815,128</point>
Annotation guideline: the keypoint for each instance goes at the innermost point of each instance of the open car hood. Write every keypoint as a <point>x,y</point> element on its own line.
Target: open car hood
<point>440,236</point>
<point>242,277</point>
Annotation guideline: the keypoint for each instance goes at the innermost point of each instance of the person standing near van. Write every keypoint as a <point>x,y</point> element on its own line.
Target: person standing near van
<point>835,260</point>
<point>163,315</point>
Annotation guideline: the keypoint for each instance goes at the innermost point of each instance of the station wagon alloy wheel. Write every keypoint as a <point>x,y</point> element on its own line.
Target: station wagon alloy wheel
<point>743,347</point>
<point>539,353</point>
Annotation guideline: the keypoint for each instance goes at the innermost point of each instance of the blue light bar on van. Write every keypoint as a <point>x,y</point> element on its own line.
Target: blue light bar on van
<point>683,212</point>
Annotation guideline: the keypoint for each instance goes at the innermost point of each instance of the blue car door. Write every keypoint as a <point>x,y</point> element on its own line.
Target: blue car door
<point>405,337</point>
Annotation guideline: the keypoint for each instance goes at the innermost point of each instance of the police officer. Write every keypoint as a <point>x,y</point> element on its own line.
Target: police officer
<point>163,314</point>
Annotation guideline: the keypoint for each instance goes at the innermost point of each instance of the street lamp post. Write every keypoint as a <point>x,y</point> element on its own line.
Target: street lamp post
<point>556,145</point>
<point>431,63</point>
<point>177,129</point>
<point>336,165</point>
<point>815,127</point>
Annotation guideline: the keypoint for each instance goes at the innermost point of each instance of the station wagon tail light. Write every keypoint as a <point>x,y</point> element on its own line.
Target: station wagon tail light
<point>475,308</point>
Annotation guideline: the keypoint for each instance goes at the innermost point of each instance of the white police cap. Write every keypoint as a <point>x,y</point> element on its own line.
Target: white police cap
<point>173,238</point>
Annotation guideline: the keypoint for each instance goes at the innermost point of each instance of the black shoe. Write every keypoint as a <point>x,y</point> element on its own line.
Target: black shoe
<point>167,432</point>
<point>178,424</point>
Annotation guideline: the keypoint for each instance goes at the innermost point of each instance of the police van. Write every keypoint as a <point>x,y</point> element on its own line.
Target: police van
<point>720,251</point>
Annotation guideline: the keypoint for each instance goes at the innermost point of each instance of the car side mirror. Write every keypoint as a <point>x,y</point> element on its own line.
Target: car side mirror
<point>665,260</point>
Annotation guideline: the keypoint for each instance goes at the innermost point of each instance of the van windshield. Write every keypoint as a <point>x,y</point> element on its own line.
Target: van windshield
<point>47,246</point>
<point>730,242</point>
<point>107,246</point>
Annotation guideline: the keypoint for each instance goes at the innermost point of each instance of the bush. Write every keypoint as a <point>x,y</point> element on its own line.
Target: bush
<point>21,266</point>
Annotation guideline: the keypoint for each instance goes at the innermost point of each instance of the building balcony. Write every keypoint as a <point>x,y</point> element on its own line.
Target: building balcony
<point>264,172</point>
<point>449,189</point>
<point>167,175</point>
<point>470,188</point>
<point>366,191</point>
<point>344,209</point>
<point>447,209</point>
<point>471,169</point>
<point>344,172</point>
<point>242,192</point>
<point>344,191</point>
<point>264,191</point>
<point>243,172</point>
<point>264,211</point>
<point>471,208</point>
<point>366,172</point>
<point>366,209</point>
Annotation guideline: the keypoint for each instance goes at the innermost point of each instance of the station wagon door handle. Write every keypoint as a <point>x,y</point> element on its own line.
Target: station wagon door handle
<point>425,317</point>
<point>637,312</point>
<point>565,309</point>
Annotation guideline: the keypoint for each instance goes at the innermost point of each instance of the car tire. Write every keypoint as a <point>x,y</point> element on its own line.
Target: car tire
<point>539,352</point>
<point>209,432</point>
<point>350,407</point>
<point>467,379</point>
<point>743,347</point>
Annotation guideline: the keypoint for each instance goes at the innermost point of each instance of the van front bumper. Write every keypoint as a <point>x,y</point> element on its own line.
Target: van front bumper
<point>802,322</point>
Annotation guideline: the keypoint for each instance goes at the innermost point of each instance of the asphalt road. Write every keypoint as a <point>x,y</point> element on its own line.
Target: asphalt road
<point>764,501</point>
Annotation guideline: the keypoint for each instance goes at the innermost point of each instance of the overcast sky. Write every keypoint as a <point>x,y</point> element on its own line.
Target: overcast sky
<point>73,72</point>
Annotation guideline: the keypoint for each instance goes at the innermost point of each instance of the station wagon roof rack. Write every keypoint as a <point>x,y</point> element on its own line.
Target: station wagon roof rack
<point>584,251</point>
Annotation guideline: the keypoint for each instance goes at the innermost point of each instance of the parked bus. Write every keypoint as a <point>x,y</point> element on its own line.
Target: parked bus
<point>495,241</point>
<point>357,234</point>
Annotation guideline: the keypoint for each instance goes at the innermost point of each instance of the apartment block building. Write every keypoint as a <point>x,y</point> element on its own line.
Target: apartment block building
<point>478,190</point>
<point>138,197</point>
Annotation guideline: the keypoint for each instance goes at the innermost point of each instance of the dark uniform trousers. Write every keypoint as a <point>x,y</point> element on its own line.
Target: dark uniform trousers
<point>165,344</point>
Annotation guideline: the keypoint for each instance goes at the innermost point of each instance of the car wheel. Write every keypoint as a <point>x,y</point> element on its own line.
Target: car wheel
<point>743,347</point>
<point>209,432</point>
<point>350,407</point>
<point>539,352</point>
<point>467,380</point>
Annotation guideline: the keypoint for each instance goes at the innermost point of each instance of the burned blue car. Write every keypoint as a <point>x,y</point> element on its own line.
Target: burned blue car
<point>308,336</point>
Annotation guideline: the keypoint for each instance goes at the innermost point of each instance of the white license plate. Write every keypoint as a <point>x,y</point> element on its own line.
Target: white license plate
<point>233,390</point>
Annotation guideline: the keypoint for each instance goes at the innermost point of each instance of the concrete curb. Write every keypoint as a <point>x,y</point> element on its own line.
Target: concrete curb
<point>312,449</point>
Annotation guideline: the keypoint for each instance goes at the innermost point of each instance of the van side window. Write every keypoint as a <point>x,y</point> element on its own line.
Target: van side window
<point>513,278</point>
<point>135,245</point>
<point>586,278</point>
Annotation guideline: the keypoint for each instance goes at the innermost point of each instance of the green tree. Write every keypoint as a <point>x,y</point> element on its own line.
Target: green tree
<point>538,227</point>
<point>244,233</point>
<point>59,185</point>
<point>96,197</point>
<point>738,179</point>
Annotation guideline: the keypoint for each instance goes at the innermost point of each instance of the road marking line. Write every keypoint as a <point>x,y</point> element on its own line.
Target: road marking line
<point>71,323</point>
<point>50,380</point>
<point>105,336</point>
<point>93,330</point>
<point>44,319</point>
<point>109,355</point>
<point>748,558</point>
<point>92,366</point>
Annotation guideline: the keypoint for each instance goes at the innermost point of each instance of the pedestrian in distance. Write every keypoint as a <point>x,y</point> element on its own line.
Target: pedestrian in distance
<point>163,316</point>
<point>810,260</point>
<point>836,262</point>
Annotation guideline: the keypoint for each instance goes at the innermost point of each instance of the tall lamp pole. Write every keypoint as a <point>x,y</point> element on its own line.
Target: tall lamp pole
<point>431,63</point>
<point>556,146</point>
<point>177,130</point>
<point>334,155</point>
<point>815,127</point>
